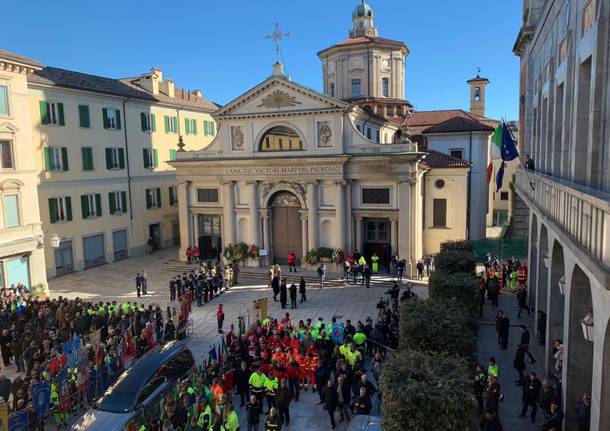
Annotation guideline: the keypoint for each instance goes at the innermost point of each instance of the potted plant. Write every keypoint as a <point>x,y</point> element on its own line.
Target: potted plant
<point>326,254</point>
<point>312,257</point>
<point>253,252</point>
<point>229,252</point>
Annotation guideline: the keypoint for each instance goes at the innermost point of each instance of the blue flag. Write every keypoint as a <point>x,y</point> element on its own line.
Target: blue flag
<point>18,421</point>
<point>500,176</point>
<point>508,149</point>
<point>337,335</point>
<point>41,396</point>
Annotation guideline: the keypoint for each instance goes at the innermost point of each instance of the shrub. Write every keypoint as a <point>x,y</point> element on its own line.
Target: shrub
<point>455,261</point>
<point>312,257</point>
<point>459,288</point>
<point>457,246</point>
<point>426,392</point>
<point>326,252</point>
<point>436,327</point>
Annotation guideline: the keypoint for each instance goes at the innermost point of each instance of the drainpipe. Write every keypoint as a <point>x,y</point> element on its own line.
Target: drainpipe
<point>468,191</point>
<point>127,158</point>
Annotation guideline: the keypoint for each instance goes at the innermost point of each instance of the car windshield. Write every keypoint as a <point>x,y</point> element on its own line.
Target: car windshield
<point>116,401</point>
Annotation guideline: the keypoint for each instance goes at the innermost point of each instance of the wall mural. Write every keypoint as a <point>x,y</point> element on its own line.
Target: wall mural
<point>285,199</point>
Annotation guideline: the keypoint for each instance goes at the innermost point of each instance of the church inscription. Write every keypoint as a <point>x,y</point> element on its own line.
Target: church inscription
<point>278,99</point>
<point>284,170</point>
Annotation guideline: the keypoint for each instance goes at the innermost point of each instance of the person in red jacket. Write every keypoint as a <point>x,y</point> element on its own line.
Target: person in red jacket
<point>292,372</point>
<point>292,261</point>
<point>220,318</point>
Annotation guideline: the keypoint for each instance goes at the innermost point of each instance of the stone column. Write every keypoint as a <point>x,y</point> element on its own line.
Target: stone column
<point>195,223</point>
<point>183,218</point>
<point>358,244</point>
<point>266,236</point>
<point>312,214</point>
<point>394,233</point>
<point>304,237</point>
<point>349,228</point>
<point>228,210</point>
<point>254,217</point>
<point>404,220</point>
<point>414,217</point>
<point>340,219</point>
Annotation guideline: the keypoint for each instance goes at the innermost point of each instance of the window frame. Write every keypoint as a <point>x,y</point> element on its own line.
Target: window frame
<point>504,195</point>
<point>55,105</point>
<point>11,149</point>
<point>55,154</point>
<point>92,205</point>
<point>117,197</point>
<point>461,150</point>
<point>154,195</point>
<point>17,195</point>
<point>9,111</point>
<point>434,224</point>
<point>385,87</point>
<point>190,126</point>
<point>61,215</point>
<point>357,81</point>
<point>115,157</point>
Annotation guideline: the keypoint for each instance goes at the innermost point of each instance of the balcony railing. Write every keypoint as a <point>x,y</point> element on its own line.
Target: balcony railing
<point>582,212</point>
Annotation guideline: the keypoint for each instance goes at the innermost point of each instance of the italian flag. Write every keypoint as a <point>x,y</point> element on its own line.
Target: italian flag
<point>496,140</point>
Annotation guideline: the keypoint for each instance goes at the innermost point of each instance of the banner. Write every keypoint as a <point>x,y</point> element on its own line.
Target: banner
<point>18,421</point>
<point>41,396</point>
<point>337,335</point>
<point>4,417</point>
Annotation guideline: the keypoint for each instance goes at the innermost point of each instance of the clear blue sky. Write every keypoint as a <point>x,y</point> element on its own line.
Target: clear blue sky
<point>219,46</point>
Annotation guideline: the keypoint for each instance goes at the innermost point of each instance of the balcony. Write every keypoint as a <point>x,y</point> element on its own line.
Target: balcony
<point>582,212</point>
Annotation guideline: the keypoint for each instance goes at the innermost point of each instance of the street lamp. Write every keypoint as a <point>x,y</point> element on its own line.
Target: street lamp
<point>588,327</point>
<point>562,284</point>
<point>55,240</point>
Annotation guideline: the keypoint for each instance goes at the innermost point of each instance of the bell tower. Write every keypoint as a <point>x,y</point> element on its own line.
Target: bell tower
<point>364,21</point>
<point>477,94</point>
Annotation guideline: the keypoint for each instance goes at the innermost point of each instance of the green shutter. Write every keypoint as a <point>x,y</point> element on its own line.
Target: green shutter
<point>212,128</point>
<point>206,130</point>
<point>145,157</point>
<point>172,154</point>
<point>121,158</point>
<point>53,210</point>
<point>124,201</point>
<point>64,158</point>
<point>158,191</point>
<point>194,127</point>
<point>84,206</point>
<point>118,119</point>
<point>108,158</point>
<point>148,198</point>
<point>143,122</point>
<point>111,203</point>
<point>98,204</point>
<point>60,111</point>
<point>68,201</point>
<point>153,123</point>
<point>155,159</point>
<point>47,159</point>
<point>83,116</point>
<point>87,154</point>
<point>105,118</point>
<point>187,127</point>
<point>44,114</point>
<point>166,120</point>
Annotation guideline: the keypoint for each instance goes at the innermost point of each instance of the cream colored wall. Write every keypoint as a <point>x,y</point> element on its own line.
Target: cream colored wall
<point>134,179</point>
<point>25,238</point>
<point>455,191</point>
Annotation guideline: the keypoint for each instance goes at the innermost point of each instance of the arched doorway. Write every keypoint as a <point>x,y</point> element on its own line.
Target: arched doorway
<point>286,226</point>
<point>556,302</point>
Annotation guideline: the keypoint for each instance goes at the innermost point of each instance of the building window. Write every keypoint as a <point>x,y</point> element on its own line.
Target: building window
<point>56,159</point>
<point>457,153</point>
<point>280,138</point>
<point>111,118</point>
<point>385,87</point>
<point>147,122</point>
<point>503,196</point>
<point>439,211</point>
<point>52,113</point>
<point>190,126</point>
<point>4,108</point>
<point>151,160</point>
<point>356,88</point>
<point>588,17</point>
<point>87,154</point>
<point>171,124</point>
<point>60,209</point>
<point>477,94</point>
<point>209,128</point>
<point>173,196</point>
<point>83,116</point>
<point>368,133</point>
<point>563,50</point>
<point>11,211</point>
<point>117,202</point>
<point>91,205</point>
<point>376,196</point>
<point>153,198</point>
<point>439,183</point>
<point>207,196</point>
<point>6,155</point>
<point>115,158</point>
<point>332,89</point>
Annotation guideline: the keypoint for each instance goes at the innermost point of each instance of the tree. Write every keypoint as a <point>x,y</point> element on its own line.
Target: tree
<point>457,246</point>
<point>460,288</point>
<point>455,261</point>
<point>426,392</point>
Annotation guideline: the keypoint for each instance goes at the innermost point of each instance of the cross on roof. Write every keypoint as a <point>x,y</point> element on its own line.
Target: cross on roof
<point>277,36</point>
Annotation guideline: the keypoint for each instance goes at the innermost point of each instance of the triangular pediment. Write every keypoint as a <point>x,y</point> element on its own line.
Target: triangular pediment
<point>7,127</point>
<point>279,95</point>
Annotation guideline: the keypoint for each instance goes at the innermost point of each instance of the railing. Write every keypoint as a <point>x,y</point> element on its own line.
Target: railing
<point>582,212</point>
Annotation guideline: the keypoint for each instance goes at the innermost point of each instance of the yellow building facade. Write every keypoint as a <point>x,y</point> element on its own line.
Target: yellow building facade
<point>21,236</point>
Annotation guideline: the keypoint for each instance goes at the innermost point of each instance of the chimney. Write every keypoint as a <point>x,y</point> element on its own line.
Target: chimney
<point>197,93</point>
<point>170,87</point>
<point>156,78</point>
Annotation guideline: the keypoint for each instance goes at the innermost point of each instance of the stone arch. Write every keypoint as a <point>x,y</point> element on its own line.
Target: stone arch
<point>270,190</point>
<point>605,393</point>
<point>243,230</point>
<point>259,137</point>
<point>11,183</point>
<point>326,233</point>
<point>286,229</point>
<point>556,301</point>
<point>578,368</point>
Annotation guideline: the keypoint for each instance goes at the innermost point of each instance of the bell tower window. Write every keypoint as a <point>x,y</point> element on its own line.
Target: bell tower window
<point>385,87</point>
<point>356,88</point>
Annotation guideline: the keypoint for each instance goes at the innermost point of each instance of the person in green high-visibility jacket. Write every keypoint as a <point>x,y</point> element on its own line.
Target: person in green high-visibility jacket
<point>359,338</point>
<point>205,418</point>
<point>231,422</point>
<point>375,263</point>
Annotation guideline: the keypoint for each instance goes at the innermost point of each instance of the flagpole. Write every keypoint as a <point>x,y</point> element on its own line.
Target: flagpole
<point>529,179</point>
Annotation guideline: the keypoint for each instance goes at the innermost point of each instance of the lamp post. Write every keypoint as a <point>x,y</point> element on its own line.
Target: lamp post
<point>588,328</point>
<point>562,284</point>
<point>55,241</point>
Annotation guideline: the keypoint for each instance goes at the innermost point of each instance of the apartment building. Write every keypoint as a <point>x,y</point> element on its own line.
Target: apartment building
<point>101,148</point>
<point>565,127</point>
<point>21,236</point>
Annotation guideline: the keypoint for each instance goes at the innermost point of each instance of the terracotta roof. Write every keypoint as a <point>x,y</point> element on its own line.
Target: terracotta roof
<point>11,56</point>
<point>431,118</point>
<point>434,159</point>
<point>364,40</point>
<point>118,87</point>
<point>458,124</point>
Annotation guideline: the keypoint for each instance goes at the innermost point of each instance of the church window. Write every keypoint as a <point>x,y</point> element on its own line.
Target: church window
<point>439,212</point>
<point>376,196</point>
<point>368,133</point>
<point>332,89</point>
<point>281,138</point>
<point>356,88</point>
<point>458,153</point>
<point>207,195</point>
<point>385,87</point>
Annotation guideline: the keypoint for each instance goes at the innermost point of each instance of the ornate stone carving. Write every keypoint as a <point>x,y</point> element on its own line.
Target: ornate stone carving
<point>297,188</point>
<point>278,99</point>
<point>325,134</point>
<point>237,138</point>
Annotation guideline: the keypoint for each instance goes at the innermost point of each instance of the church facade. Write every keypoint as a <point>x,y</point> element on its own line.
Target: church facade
<point>294,169</point>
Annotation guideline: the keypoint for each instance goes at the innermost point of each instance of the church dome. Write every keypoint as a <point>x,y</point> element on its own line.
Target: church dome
<point>362,10</point>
